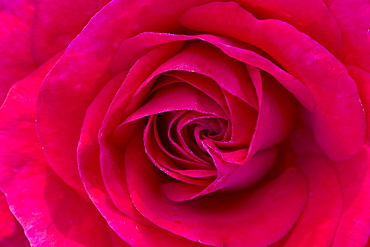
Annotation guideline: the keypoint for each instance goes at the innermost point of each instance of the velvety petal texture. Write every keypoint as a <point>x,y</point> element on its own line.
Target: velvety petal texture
<point>11,232</point>
<point>185,123</point>
<point>37,197</point>
<point>15,43</point>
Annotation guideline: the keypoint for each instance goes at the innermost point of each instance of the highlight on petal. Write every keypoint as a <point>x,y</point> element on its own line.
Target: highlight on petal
<point>11,232</point>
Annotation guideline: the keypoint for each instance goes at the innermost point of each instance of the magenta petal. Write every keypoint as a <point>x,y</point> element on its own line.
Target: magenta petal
<point>164,162</point>
<point>57,23</point>
<point>255,218</point>
<point>203,58</point>
<point>7,220</point>
<point>39,199</point>
<point>311,17</point>
<point>68,90</point>
<point>338,119</point>
<point>135,88</point>
<point>235,176</point>
<point>250,57</point>
<point>178,96</point>
<point>362,78</point>
<point>104,179</point>
<point>243,120</point>
<point>203,84</point>
<point>15,43</point>
<point>89,159</point>
<point>137,233</point>
<point>319,220</point>
<point>353,17</point>
<point>354,226</point>
<point>276,115</point>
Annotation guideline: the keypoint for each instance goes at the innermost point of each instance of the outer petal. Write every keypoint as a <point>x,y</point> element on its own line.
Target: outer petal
<point>353,17</point>
<point>310,17</point>
<point>7,220</point>
<point>51,213</point>
<point>57,23</point>
<point>319,220</point>
<point>362,78</point>
<point>338,119</point>
<point>11,233</point>
<point>16,60</point>
<point>354,226</point>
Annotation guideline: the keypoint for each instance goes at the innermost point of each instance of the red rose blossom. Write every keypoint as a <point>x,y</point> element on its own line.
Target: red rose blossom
<point>186,123</point>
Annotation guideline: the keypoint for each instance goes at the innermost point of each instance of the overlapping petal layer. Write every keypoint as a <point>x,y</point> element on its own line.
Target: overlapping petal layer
<point>184,129</point>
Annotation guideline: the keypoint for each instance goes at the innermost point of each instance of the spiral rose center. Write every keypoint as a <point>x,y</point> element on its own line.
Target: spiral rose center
<point>209,122</point>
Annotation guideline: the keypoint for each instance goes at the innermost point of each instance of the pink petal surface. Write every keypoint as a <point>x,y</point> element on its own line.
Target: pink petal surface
<point>57,23</point>
<point>310,17</point>
<point>319,220</point>
<point>7,220</point>
<point>30,177</point>
<point>58,96</point>
<point>144,42</point>
<point>354,225</point>
<point>338,118</point>
<point>104,180</point>
<point>15,43</point>
<point>175,97</point>
<point>257,218</point>
<point>362,78</point>
<point>354,21</point>
<point>11,233</point>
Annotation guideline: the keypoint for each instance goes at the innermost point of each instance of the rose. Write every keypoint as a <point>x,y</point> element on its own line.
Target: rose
<point>189,124</point>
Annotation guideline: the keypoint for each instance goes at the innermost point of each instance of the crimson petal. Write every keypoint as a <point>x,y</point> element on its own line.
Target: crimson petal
<point>338,118</point>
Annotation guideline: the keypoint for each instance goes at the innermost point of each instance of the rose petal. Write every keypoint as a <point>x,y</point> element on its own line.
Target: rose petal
<point>255,218</point>
<point>354,226</point>
<point>164,163</point>
<point>276,115</point>
<point>15,43</point>
<point>338,119</point>
<point>175,97</point>
<point>147,235</point>
<point>8,222</point>
<point>57,23</point>
<point>204,84</point>
<point>70,87</point>
<point>353,17</point>
<point>144,42</point>
<point>202,58</point>
<point>50,211</point>
<point>319,220</point>
<point>362,78</point>
<point>311,17</point>
<point>105,183</point>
